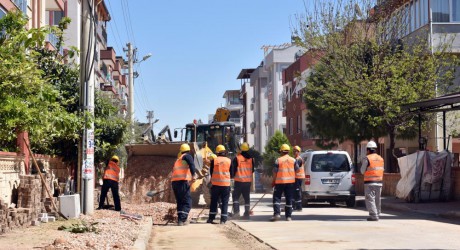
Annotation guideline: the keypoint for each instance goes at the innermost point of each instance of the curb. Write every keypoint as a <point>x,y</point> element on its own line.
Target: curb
<point>143,238</point>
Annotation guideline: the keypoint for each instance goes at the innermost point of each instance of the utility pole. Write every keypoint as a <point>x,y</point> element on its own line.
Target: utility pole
<point>86,150</point>
<point>131,86</point>
<point>150,117</point>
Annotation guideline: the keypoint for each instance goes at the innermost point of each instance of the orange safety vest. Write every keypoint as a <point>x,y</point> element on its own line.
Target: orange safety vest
<point>221,172</point>
<point>181,170</point>
<point>374,172</point>
<point>112,172</point>
<point>300,173</point>
<point>286,173</point>
<point>244,170</point>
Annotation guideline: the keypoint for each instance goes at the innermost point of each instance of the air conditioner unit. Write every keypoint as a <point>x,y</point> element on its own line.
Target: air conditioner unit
<point>252,106</point>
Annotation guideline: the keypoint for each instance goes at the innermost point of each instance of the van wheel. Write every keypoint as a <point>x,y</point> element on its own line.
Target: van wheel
<point>351,201</point>
<point>304,203</point>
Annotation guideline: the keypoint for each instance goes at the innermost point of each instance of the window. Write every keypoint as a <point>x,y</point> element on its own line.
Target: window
<point>424,12</point>
<point>329,163</point>
<point>440,11</point>
<point>456,10</point>
<point>2,12</point>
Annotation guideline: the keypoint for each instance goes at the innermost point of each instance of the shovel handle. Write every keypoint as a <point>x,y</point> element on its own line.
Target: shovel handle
<point>257,202</point>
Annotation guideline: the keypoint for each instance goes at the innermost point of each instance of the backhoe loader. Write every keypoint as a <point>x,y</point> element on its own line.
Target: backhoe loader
<point>202,138</point>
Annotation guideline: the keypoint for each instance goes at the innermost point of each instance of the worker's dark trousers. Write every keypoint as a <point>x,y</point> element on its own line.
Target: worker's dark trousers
<point>241,188</point>
<point>224,194</point>
<point>288,190</point>
<point>297,201</point>
<point>183,199</point>
<point>112,185</point>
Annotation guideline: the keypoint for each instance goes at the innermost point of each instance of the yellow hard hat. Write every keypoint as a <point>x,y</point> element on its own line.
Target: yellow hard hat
<point>220,149</point>
<point>285,147</point>
<point>213,156</point>
<point>297,148</point>
<point>184,148</point>
<point>115,158</point>
<point>245,146</point>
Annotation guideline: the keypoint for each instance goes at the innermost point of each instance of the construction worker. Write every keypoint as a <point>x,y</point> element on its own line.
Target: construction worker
<point>299,177</point>
<point>372,168</point>
<point>241,172</point>
<point>220,180</point>
<point>110,181</point>
<point>283,182</point>
<point>183,172</point>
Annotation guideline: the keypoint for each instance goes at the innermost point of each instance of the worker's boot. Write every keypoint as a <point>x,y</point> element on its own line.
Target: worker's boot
<point>276,217</point>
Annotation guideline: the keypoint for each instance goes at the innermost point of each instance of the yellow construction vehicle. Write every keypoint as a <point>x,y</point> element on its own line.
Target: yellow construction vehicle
<point>203,140</point>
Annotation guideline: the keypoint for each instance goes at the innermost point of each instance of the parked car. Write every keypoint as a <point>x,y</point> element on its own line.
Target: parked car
<point>329,176</point>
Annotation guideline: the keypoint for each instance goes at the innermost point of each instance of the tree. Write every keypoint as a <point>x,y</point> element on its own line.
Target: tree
<point>28,102</point>
<point>272,151</point>
<point>367,72</point>
<point>111,130</point>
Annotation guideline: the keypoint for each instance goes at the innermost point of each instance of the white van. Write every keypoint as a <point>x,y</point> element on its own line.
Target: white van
<point>329,177</point>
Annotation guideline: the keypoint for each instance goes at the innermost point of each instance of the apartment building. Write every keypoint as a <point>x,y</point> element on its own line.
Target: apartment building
<point>275,62</point>
<point>432,22</point>
<point>248,101</point>
<point>234,104</point>
<point>258,82</point>
<point>294,108</point>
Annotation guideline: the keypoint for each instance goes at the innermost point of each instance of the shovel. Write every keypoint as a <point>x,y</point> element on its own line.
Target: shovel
<point>153,193</point>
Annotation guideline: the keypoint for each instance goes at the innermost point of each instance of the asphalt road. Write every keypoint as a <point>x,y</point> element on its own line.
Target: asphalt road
<point>319,226</point>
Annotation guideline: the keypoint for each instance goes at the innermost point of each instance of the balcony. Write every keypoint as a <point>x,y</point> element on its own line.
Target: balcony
<point>102,34</point>
<point>53,40</point>
<point>235,120</point>
<point>308,135</point>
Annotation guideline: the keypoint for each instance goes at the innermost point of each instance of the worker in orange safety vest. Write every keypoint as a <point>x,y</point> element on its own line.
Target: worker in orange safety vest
<point>283,182</point>
<point>299,177</point>
<point>110,181</point>
<point>372,168</point>
<point>183,173</point>
<point>220,180</point>
<point>241,172</point>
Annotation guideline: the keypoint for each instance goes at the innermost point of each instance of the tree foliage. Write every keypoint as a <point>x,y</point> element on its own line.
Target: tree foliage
<point>39,93</point>
<point>28,100</point>
<point>272,151</point>
<point>366,72</point>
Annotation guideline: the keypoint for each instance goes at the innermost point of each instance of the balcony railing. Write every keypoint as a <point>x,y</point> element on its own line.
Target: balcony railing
<point>54,40</point>
<point>235,120</point>
<point>308,135</point>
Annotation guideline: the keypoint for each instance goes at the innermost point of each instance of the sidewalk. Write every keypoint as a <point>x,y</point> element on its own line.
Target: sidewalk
<point>450,210</point>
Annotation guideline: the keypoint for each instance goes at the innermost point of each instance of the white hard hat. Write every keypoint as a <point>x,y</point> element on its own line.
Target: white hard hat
<point>371,144</point>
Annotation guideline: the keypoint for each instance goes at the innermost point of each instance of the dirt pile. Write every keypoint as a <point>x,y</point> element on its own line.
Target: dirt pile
<point>147,173</point>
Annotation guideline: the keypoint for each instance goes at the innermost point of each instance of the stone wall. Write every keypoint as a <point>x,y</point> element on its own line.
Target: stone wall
<point>31,198</point>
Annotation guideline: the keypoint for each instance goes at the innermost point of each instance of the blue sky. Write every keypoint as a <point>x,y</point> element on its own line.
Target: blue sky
<point>198,49</point>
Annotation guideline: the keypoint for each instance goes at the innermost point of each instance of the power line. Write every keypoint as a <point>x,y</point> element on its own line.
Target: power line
<point>125,20</point>
<point>130,23</point>
<point>116,29</point>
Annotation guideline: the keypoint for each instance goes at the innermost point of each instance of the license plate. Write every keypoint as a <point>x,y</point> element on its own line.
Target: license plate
<point>330,181</point>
